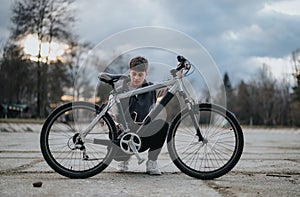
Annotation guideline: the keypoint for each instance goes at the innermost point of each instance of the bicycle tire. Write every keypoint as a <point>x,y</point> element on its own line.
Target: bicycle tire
<point>57,139</point>
<point>206,160</point>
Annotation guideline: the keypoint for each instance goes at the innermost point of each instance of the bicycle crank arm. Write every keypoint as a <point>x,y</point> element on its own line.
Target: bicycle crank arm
<point>135,152</point>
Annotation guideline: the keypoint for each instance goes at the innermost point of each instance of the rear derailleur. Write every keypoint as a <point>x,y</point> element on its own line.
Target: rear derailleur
<point>75,143</point>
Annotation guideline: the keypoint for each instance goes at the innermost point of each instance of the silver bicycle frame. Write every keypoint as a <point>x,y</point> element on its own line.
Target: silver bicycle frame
<point>175,83</point>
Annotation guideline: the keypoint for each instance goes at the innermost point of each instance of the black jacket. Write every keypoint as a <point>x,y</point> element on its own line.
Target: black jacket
<point>137,107</point>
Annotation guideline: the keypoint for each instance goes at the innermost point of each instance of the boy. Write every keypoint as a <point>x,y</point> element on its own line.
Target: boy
<point>136,108</point>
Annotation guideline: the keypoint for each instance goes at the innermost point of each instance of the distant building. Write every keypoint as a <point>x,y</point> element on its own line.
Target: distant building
<point>14,111</point>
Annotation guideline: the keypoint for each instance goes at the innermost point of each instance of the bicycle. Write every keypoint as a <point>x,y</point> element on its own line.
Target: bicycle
<point>80,139</point>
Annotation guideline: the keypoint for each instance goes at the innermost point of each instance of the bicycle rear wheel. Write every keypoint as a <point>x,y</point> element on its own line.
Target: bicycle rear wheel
<point>206,160</point>
<point>62,148</point>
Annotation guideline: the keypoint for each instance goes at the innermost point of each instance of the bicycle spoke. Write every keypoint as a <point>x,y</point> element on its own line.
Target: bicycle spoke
<point>211,157</point>
<point>64,148</point>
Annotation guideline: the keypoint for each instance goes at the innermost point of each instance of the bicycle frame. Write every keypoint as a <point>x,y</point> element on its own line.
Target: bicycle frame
<point>76,146</point>
<point>176,86</point>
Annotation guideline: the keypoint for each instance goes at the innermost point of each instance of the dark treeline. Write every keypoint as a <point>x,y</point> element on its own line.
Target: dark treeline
<point>265,100</point>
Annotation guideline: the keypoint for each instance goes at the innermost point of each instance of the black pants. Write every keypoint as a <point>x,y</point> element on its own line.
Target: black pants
<point>153,137</point>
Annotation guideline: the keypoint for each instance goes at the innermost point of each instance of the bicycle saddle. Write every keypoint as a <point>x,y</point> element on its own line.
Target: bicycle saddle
<point>111,78</point>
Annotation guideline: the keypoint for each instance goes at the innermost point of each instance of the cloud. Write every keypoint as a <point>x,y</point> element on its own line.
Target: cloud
<point>4,20</point>
<point>283,7</point>
<point>233,32</point>
<point>105,18</point>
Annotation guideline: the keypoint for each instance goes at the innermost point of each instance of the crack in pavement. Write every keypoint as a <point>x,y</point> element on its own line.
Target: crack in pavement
<point>22,167</point>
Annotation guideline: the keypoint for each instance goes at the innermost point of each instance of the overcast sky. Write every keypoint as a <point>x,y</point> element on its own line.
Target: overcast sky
<point>239,35</point>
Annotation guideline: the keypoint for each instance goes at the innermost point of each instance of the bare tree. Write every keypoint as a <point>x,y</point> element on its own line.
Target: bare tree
<point>266,85</point>
<point>296,65</point>
<point>269,99</point>
<point>295,103</point>
<point>282,105</point>
<point>49,20</point>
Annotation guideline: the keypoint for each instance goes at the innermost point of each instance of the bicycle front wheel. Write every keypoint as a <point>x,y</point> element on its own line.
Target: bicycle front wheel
<point>62,147</point>
<point>211,159</point>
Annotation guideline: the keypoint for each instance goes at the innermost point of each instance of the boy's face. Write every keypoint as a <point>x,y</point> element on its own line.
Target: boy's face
<point>137,78</point>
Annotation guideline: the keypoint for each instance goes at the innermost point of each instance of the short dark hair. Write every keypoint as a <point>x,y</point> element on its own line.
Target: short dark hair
<point>139,64</point>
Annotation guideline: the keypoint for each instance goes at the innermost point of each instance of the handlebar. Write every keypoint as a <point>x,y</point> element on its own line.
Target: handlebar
<point>180,58</point>
<point>181,61</point>
<point>183,64</point>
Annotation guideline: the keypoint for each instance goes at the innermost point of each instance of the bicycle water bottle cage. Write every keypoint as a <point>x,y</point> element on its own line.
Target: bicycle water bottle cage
<point>111,78</point>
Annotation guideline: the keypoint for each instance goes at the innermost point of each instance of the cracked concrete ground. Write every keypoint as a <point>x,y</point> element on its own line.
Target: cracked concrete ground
<point>270,166</point>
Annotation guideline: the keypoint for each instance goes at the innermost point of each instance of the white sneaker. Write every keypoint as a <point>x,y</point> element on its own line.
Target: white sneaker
<point>152,168</point>
<point>123,166</point>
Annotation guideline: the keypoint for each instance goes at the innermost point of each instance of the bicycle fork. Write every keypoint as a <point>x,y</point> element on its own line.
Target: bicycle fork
<point>196,125</point>
<point>193,117</point>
